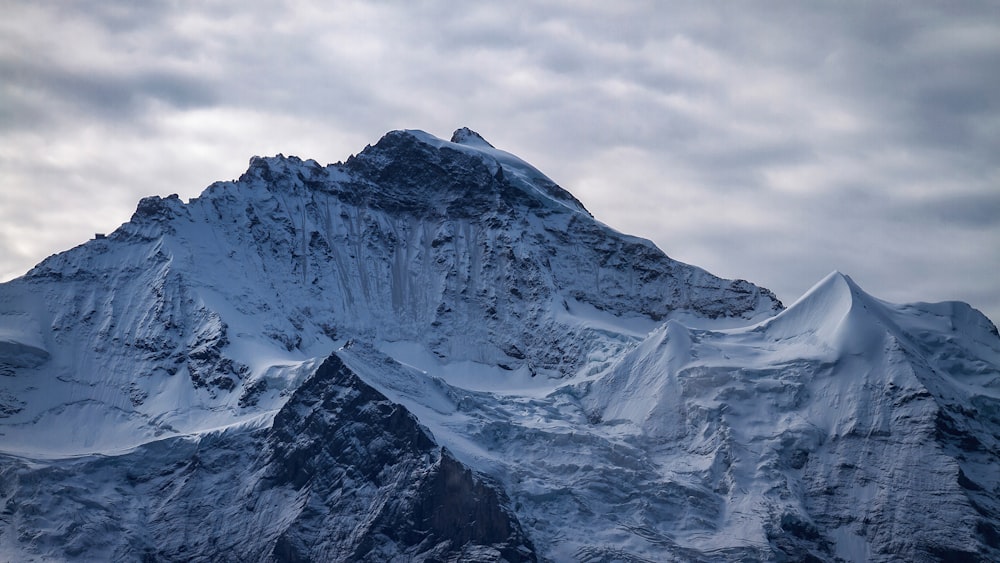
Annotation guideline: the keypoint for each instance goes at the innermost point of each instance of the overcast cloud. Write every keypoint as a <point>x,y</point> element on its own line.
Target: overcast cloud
<point>771,141</point>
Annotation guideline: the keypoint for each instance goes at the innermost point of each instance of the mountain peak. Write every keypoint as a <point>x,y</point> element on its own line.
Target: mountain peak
<point>468,137</point>
<point>837,312</point>
<point>408,158</point>
<point>491,317</point>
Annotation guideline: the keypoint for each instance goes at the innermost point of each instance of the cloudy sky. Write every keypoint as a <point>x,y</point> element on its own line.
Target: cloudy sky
<point>771,141</point>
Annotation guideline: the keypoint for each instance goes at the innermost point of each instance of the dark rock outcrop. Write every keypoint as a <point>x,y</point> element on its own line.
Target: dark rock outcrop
<point>343,474</point>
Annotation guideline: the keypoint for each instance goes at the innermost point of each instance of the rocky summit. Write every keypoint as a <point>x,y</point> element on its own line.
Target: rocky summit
<point>433,352</point>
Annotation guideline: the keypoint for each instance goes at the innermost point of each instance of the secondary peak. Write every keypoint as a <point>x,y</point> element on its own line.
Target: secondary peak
<point>468,137</point>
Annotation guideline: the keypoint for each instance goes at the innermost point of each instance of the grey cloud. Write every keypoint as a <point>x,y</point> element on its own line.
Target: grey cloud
<point>965,211</point>
<point>923,92</point>
<point>112,95</point>
<point>118,17</point>
<point>73,74</point>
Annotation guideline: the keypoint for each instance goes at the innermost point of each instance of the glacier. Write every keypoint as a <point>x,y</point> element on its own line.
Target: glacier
<point>431,351</point>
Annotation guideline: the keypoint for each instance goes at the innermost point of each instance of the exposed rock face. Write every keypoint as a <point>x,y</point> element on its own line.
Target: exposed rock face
<point>357,456</point>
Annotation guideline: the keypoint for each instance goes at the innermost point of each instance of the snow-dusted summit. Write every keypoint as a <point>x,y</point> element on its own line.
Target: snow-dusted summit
<point>431,351</point>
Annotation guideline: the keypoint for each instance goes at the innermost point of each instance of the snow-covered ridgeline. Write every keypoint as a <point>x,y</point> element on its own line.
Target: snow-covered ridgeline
<point>843,427</point>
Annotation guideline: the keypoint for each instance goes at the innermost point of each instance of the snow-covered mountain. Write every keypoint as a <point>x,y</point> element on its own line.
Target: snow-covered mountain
<point>433,352</point>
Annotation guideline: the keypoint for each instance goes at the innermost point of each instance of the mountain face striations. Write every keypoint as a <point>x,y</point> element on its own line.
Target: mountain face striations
<point>432,352</point>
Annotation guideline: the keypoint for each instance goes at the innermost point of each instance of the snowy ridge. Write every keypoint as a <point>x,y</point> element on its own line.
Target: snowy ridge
<point>810,428</point>
<point>445,315</point>
<point>512,168</point>
<point>836,312</point>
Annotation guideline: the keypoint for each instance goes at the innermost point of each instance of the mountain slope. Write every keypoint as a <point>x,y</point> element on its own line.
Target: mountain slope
<point>341,475</point>
<point>431,351</point>
<point>841,428</point>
